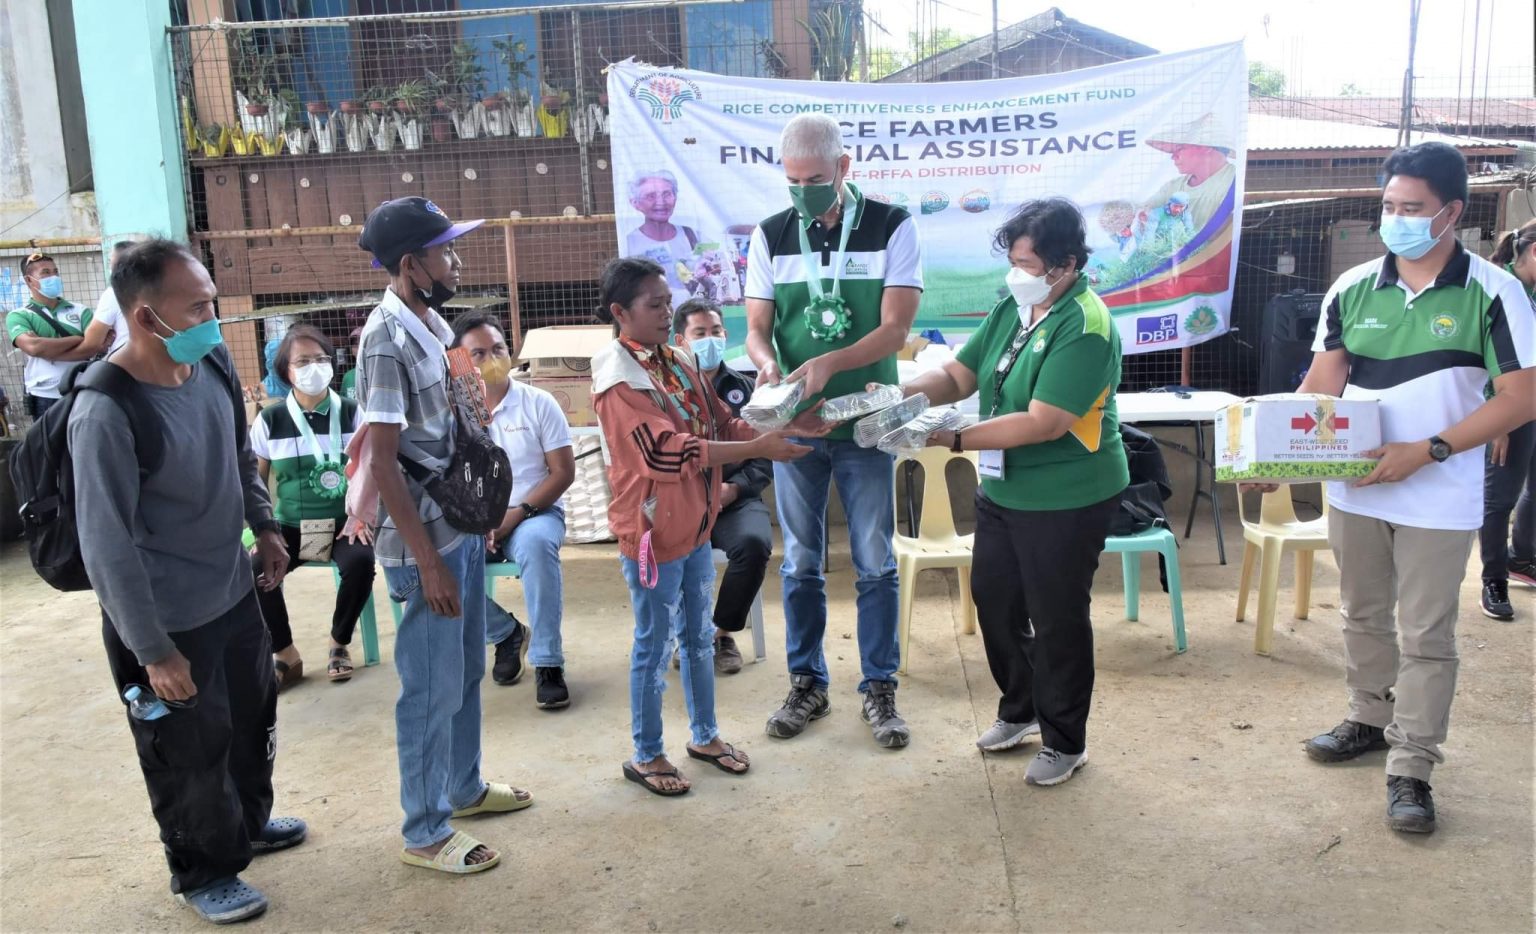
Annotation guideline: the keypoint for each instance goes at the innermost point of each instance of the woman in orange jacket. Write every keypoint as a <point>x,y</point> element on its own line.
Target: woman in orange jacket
<point>668,435</point>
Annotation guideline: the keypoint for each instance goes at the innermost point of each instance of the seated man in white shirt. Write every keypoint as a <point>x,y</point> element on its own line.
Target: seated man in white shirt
<point>107,332</point>
<point>528,424</point>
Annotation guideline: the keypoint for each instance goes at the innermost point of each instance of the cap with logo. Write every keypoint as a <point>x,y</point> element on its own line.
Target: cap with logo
<point>404,225</point>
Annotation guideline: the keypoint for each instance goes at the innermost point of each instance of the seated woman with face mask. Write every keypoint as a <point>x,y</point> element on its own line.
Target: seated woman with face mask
<point>300,446</point>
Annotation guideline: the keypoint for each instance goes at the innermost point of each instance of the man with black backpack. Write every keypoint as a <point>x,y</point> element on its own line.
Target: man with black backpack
<point>159,533</point>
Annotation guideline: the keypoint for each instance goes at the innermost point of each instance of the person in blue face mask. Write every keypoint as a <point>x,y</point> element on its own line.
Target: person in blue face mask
<point>1421,330</point>
<point>49,329</point>
<point>162,545</point>
<point>743,531</point>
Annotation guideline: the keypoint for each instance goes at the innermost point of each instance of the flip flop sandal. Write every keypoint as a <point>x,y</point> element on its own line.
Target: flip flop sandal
<point>453,857</point>
<point>498,799</point>
<point>714,759</point>
<point>339,668</point>
<point>288,675</point>
<point>279,834</point>
<point>641,778</point>
<point>225,901</point>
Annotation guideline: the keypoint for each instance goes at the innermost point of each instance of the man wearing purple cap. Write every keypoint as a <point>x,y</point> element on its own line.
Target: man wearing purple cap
<point>437,571</point>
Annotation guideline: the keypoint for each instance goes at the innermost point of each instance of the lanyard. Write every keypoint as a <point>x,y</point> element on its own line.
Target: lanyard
<point>813,266</point>
<point>1006,362</point>
<point>330,453</point>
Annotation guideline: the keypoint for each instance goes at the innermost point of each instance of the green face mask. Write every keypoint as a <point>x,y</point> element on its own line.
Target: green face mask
<point>812,201</point>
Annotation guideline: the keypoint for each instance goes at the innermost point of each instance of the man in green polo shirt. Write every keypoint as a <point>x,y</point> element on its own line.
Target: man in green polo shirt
<point>832,289</point>
<point>1421,329</point>
<point>49,329</point>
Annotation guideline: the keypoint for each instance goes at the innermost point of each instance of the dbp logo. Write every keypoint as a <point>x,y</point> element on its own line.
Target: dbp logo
<point>1157,329</point>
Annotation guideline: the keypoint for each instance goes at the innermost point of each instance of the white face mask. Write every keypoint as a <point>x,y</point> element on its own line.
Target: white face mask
<point>1028,290</point>
<point>313,378</point>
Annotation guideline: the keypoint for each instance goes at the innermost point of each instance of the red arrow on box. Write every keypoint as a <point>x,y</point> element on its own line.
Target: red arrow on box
<point>1304,424</point>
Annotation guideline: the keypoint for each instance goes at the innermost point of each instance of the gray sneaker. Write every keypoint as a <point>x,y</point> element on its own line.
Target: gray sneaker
<point>1004,735</point>
<point>1052,768</point>
<point>806,702</point>
<point>880,713</point>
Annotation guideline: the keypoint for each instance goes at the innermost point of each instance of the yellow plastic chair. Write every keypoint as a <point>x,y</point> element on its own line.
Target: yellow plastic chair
<point>936,544</point>
<point>1266,541</point>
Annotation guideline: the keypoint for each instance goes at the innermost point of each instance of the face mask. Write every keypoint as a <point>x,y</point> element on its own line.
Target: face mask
<point>812,201</point>
<point>1409,237</point>
<point>194,343</point>
<point>437,296</point>
<point>313,378</point>
<point>50,286</point>
<point>709,351</point>
<point>1028,290</point>
<point>494,371</point>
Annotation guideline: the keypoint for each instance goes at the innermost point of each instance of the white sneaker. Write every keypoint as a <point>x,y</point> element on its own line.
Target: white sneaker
<point>1052,768</point>
<point>1004,735</point>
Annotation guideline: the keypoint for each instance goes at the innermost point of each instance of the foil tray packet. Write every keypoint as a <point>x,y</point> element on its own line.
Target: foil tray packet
<point>870,429</point>
<point>773,406</point>
<point>860,404</point>
<point>911,437</point>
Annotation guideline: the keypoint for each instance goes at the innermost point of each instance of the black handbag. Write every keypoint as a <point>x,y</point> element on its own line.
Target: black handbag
<point>473,491</point>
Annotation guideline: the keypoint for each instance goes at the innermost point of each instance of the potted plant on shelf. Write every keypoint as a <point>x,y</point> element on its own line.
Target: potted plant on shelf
<point>296,132</point>
<point>442,105</point>
<point>322,126</point>
<point>213,138</point>
<point>466,82</point>
<point>517,113</point>
<point>410,106</point>
<point>254,72</point>
<point>554,119</point>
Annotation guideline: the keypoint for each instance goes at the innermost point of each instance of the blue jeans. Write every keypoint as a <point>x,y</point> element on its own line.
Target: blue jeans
<point>437,716</point>
<point>677,610</point>
<point>866,484</point>
<point>535,546</point>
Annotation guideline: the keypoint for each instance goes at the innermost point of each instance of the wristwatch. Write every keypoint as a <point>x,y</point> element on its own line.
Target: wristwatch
<point>1439,449</point>
<point>529,510</point>
<point>954,442</point>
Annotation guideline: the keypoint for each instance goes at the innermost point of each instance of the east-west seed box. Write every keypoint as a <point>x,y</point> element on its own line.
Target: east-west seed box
<point>1296,438</point>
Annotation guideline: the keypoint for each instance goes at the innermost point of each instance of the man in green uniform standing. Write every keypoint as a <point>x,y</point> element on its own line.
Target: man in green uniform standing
<point>49,329</point>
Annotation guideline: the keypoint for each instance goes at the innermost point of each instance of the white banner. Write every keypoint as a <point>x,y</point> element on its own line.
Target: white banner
<point>1151,149</point>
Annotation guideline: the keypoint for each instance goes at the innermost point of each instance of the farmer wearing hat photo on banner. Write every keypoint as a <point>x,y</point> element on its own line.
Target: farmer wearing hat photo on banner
<point>436,570</point>
<point>1202,153</point>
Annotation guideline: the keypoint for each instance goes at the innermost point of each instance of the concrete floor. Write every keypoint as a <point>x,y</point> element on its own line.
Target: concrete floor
<point>1198,810</point>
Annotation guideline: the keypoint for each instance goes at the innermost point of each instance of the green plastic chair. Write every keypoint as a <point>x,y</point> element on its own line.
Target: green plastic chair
<point>1130,549</point>
<point>493,570</point>
<point>367,621</point>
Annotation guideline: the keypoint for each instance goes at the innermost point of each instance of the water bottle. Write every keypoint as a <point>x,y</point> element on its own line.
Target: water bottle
<point>143,704</point>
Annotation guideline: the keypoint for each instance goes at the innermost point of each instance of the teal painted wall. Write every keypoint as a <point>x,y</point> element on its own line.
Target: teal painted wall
<point>130,107</point>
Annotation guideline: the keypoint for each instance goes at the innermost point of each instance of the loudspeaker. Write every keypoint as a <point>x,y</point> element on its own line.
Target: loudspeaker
<point>1290,324</point>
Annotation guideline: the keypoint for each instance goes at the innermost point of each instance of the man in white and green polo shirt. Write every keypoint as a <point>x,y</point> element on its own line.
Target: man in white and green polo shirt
<point>49,329</point>
<point>832,289</point>
<point>1422,329</point>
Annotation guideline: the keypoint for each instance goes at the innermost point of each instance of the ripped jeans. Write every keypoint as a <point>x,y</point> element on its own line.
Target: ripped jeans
<point>678,610</point>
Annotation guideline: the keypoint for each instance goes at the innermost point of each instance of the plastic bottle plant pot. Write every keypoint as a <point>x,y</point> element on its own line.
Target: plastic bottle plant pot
<point>213,140</point>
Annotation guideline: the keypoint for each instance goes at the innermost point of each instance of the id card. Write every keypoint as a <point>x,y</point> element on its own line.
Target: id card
<point>990,464</point>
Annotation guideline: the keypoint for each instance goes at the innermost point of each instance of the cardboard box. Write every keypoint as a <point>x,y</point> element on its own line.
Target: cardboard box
<point>1295,438</point>
<point>574,395</point>
<point>563,350</point>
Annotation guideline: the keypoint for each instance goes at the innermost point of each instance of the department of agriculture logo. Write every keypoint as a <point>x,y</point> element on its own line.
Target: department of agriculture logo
<point>975,201</point>
<point>1443,327</point>
<point>1201,321</point>
<point>933,202</point>
<point>666,94</point>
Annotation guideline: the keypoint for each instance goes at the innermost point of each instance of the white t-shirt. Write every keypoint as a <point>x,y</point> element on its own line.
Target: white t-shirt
<point>528,424</point>
<point>109,313</point>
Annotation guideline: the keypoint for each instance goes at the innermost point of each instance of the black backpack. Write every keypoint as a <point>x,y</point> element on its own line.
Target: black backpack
<point>44,473</point>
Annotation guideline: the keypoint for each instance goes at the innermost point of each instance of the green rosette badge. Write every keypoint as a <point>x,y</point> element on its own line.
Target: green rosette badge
<point>828,318</point>
<point>328,481</point>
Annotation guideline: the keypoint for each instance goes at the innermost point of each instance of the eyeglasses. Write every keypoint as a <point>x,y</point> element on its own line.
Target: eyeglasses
<point>306,361</point>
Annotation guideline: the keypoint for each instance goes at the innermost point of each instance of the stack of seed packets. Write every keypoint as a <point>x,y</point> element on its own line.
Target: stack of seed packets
<point>773,406</point>
<point>860,404</point>
<point>911,437</point>
<point>870,429</point>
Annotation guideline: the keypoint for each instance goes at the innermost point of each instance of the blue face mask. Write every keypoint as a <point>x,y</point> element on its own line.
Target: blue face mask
<point>51,286</point>
<point>194,343</point>
<point>710,351</point>
<point>1409,237</point>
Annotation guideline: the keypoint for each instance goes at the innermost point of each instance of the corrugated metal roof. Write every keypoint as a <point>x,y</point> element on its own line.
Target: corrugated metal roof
<point>1428,112</point>
<point>1267,132</point>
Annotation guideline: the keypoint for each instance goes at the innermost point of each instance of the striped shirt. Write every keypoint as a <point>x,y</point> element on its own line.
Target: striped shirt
<point>277,440</point>
<point>404,381</point>
<point>1426,358</point>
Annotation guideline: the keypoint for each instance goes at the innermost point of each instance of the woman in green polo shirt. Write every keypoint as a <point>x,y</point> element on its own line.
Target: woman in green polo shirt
<point>1046,363</point>
<point>300,446</point>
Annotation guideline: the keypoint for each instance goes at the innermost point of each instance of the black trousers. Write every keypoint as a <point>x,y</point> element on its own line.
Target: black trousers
<point>355,562</point>
<point>745,535</point>
<point>1509,489</point>
<point>1032,580</point>
<point>208,767</point>
<point>37,405</point>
